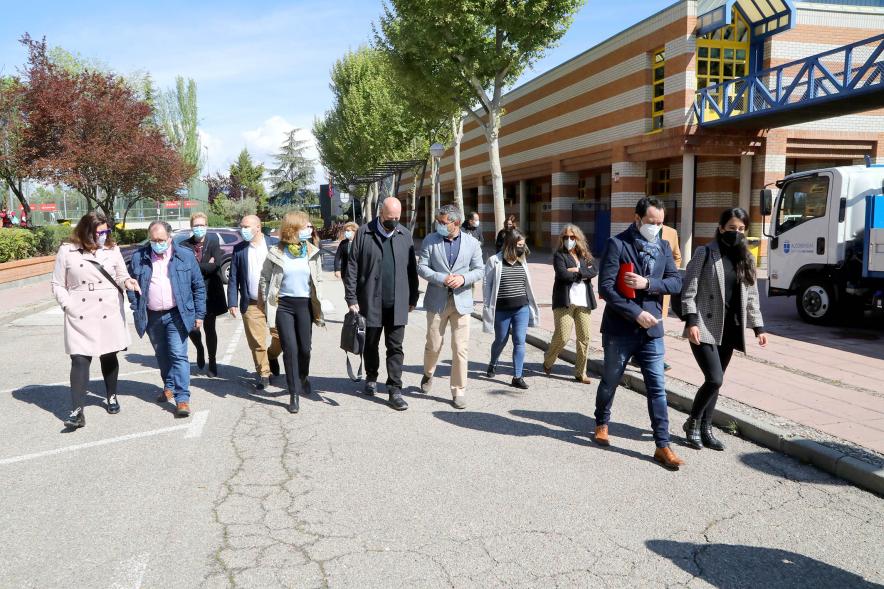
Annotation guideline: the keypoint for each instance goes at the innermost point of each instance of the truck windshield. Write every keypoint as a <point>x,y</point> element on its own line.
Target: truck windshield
<point>802,199</point>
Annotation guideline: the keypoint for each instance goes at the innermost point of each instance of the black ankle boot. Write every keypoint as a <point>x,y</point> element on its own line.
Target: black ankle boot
<point>692,433</point>
<point>76,419</point>
<point>294,403</point>
<point>709,439</point>
<point>200,357</point>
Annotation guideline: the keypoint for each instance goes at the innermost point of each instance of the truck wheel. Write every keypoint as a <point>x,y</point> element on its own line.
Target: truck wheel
<point>816,302</point>
<point>225,272</point>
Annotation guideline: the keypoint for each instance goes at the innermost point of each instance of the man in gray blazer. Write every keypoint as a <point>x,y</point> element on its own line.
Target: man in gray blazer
<point>451,262</point>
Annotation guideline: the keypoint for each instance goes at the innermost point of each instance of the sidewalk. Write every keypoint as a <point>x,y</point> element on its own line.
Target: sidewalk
<point>835,391</point>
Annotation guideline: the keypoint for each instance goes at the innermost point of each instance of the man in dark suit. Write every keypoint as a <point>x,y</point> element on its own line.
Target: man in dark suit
<point>382,282</point>
<point>242,293</point>
<point>206,247</point>
<point>633,326</point>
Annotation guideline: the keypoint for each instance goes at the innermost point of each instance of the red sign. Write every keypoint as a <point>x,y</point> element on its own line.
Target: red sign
<point>171,204</point>
<point>48,207</point>
<point>174,204</point>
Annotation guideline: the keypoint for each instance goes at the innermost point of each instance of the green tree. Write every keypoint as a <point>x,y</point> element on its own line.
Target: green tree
<point>247,180</point>
<point>13,169</point>
<point>480,46</point>
<point>293,171</point>
<point>178,116</point>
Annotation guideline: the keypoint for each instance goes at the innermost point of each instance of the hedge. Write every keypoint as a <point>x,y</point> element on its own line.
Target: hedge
<point>17,244</point>
<point>50,237</point>
<point>130,236</point>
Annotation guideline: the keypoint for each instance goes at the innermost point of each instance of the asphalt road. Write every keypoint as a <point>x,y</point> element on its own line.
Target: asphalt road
<point>349,493</point>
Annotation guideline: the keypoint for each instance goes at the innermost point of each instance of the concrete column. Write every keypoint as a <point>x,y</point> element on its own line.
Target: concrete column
<point>628,186</point>
<point>486,213</point>
<point>688,200</point>
<point>523,202</point>
<point>563,194</point>
<point>745,199</point>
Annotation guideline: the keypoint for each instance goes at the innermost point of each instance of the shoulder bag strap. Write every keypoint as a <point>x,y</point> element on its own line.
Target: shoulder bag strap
<point>106,274</point>
<point>355,377</point>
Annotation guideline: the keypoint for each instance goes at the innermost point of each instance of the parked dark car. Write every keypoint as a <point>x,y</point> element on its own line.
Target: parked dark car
<point>228,237</point>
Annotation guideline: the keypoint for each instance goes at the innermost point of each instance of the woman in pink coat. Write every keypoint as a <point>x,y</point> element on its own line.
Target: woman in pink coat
<point>88,284</point>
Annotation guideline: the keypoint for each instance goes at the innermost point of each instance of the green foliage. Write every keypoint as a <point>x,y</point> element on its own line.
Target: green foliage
<point>216,220</point>
<point>50,237</point>
<point>17,244</point>
<point>293,171</point>
<point>178,116</point>
<point>129,236</point>
<point>231,211</point>
<point>248,176</point>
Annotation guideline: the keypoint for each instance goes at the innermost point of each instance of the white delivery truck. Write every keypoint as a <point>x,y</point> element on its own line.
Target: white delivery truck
<point>827,240</point>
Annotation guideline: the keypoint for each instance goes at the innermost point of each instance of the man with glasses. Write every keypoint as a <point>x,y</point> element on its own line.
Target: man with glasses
<point>382,283</point>
<point>242,293</point>
<point>451,262</point>
<point>171,304</point>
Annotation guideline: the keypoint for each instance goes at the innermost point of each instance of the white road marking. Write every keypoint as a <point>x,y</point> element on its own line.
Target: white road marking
<point>192,429</point>
<point>131,572</point>
<point>68,382</point>
<point>232,344</point>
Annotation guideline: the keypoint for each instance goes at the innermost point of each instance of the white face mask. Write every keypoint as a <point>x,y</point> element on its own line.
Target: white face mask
<point>650,231</point>
<point>570,244</point>
<point>348,235</point>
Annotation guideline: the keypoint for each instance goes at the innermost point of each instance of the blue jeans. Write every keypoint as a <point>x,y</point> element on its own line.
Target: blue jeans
<point>168,335</point>
<point>648,353</point>
<point>518,320</point>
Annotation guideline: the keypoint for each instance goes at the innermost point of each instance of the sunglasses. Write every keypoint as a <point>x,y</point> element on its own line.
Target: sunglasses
<point>105,232</point>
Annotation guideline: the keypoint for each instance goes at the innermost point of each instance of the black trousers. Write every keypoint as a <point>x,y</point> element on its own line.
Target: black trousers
<point>211,336</point>
<point>713,361</point>
<point>294,323</point>
<point>110,370</point>
<point>393,338</point>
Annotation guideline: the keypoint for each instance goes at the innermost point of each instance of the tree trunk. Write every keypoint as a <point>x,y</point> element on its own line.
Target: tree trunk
<point>492,134</point>
<point>412,203</point>
<point>15,185</point>
<point>457,134</point>
<point>431,210</point>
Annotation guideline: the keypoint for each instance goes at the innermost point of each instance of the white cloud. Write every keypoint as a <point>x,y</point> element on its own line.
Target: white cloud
<point>213,147</point>
<point>268,138</point>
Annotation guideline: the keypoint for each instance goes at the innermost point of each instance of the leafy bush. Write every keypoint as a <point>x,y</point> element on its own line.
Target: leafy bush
<point>17,244</point>
<point>216,220</point>
<point>130,236</point>
<point>50,237</point>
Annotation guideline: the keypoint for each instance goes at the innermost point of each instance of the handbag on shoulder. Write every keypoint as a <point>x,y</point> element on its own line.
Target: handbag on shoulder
<point>353,341</point>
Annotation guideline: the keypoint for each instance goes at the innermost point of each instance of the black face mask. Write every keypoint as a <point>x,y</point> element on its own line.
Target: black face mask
<point>390,224</point>
<point>732,238</point>
<point>520,251</point>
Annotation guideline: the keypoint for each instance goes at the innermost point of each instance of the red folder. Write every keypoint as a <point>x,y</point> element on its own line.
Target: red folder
<point>627,291</point>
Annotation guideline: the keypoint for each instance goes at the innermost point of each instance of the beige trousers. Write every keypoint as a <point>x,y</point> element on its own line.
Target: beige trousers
<point>460,342</point>
<point>255,322</point>
<point>565,319</point>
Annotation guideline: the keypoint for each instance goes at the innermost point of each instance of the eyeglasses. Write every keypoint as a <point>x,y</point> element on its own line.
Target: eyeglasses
<point>199,225</point>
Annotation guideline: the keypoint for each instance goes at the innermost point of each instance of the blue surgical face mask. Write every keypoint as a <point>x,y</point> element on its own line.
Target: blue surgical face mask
<point>159,248</point>
<point>348,235</point>
<point>442,229</point>
<point>199,231</point>
<point>246,233</point>
<point>305,234</point>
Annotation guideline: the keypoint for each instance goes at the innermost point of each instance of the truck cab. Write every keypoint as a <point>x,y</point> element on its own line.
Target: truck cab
<point>823,243</point>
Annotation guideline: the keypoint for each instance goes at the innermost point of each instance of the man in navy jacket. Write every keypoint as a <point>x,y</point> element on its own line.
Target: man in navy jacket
<point>171,303</point>
<point>633,327</point>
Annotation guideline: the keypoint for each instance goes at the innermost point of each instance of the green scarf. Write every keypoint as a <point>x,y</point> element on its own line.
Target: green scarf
<point>297,249</point>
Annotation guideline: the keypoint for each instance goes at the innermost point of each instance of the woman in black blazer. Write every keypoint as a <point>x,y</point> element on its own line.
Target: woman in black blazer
<point>572,299</point>
<point>342,255</point>
<point>207,249</point>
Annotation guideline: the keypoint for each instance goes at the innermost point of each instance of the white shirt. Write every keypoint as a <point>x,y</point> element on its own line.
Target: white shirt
<point>257,255</point>
<point>578,294</point>
<point>295,276</point>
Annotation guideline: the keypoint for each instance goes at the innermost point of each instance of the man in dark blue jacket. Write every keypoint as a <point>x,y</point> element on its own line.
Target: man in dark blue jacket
<point>171,303</point>
<point>633,327</point>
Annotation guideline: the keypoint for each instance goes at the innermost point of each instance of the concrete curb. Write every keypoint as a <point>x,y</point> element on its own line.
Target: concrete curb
<point>862,474</point>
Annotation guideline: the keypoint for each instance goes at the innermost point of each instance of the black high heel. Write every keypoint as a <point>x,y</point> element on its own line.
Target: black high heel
<point>692,433</point>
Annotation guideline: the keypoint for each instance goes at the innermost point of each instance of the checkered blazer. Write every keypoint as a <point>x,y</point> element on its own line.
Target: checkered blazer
<point>703,294</point>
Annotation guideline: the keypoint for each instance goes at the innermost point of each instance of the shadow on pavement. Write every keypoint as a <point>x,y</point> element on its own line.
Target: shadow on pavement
<point>729,566</point>
<point>579,422</point>
<point>779,466</point>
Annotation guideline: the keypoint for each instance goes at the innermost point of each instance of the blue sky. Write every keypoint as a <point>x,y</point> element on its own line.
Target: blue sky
<point>261,66</point>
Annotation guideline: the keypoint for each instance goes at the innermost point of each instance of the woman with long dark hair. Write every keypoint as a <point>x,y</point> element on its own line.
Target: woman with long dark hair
<point>510,306</point>
<point>88,282</point>
<point>719,301</point>
<point>508,226</point>
<point>572,299</point>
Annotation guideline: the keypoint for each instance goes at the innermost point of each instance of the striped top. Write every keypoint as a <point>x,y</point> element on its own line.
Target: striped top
<point>513,290</point>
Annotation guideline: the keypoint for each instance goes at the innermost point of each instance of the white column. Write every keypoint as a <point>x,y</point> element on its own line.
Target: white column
<point>688,198</point>
<point>745,182</point>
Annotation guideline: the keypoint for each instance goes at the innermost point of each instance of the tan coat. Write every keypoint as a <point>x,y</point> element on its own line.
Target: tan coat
<point>94,316</point>
<point>271,281</point>
<point>671,235</point>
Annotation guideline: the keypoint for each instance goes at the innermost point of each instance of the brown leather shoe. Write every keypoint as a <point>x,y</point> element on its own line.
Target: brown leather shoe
<point>547,370</point>
<point>583,379</point>
<point>601,435</point>
<point>166,396</point>
<point>183,410</point>
<point>668,458</point>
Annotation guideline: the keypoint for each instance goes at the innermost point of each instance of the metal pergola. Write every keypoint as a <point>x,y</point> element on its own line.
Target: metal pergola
<point>395,169</point>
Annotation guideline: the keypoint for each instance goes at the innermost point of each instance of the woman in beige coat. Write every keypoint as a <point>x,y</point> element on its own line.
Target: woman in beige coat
<point>290,289</point>
<point>88,283</point>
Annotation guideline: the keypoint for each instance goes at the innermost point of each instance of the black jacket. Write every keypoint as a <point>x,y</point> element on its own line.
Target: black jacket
<point>561,295</point>
<point>477,233</point>
<point>362,284</point>
<point>501,237</point>
<point>216,300</point>
<point>342,257</point>
<point>238,283</point>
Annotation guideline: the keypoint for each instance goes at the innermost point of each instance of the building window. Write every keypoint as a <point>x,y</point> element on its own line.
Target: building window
<point>722,55</point>
<point>658,182</point>
<point>657,109</point>
<point>581,189</point>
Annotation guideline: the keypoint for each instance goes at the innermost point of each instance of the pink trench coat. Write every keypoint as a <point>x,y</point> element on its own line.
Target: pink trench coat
<point>94,316</point>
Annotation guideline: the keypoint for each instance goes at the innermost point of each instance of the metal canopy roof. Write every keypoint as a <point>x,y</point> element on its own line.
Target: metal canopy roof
<point>386,170</point>
<point>765,17</point>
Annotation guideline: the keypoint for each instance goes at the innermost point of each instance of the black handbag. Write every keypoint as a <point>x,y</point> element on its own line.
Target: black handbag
<point>353,341</point>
